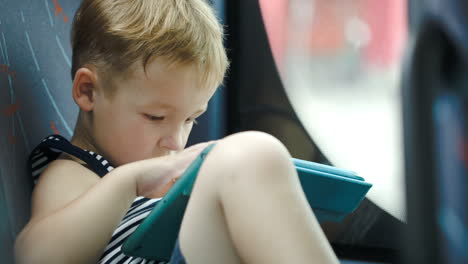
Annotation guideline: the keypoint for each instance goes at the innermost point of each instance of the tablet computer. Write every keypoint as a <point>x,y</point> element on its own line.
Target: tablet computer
<point>155,237</point>
<point>332,193</point>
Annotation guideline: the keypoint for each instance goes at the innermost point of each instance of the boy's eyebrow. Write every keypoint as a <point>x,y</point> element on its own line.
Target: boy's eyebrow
<point>162,105</point>
<point>170,107</point>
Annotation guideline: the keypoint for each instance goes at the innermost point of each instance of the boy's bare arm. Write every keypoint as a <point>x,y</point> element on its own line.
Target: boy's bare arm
<point>74,213</point>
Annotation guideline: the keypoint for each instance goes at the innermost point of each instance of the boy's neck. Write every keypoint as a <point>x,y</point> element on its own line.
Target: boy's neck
<point>81,137</point>
<point>82,142</point>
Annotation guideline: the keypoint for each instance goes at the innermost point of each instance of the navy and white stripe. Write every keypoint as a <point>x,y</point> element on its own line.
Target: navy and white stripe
<point>102,161</point>
<point>50,148</point>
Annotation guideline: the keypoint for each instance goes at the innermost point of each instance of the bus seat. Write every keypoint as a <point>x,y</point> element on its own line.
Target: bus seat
<point>35,101</point>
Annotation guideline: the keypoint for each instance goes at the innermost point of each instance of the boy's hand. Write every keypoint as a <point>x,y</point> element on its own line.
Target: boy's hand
<point>161,173</point>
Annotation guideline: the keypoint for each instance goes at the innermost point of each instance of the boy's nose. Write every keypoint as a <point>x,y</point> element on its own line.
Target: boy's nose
<point>172,142</point>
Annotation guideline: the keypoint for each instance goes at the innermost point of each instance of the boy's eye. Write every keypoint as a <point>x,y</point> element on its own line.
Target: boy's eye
<point>192,120</point>
<point>154,118</point>
<point>160,118</point>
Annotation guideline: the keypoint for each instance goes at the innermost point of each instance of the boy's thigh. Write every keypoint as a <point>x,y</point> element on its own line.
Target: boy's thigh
<point>204,236</point>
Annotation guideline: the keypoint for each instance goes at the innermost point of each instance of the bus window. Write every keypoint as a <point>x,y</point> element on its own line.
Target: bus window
<point>339,62</point>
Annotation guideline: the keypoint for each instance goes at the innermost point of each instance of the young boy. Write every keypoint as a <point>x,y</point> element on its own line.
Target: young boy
<point>143,71</point>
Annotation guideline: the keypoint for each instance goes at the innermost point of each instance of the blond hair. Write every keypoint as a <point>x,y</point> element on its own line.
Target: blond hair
<point>114,34</point>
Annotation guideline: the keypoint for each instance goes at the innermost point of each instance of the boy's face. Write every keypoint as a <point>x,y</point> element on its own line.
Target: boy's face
<point>150,115</point>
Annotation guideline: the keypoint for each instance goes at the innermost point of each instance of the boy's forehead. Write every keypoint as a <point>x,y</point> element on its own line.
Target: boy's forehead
<point>167,86</point>
<point>168,107</point>
<point>191,107</point>
<point>163,73</point>
<point>173,95</point>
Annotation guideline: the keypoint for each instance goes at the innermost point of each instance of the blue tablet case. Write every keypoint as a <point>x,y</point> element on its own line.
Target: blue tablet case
<point>332,193</point>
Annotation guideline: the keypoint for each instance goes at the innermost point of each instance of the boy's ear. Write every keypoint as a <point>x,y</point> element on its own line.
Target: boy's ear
<point>85,88</point>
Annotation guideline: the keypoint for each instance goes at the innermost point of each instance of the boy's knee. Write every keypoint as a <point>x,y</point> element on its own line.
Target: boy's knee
<point>253,150</point>
<point>254,144</point>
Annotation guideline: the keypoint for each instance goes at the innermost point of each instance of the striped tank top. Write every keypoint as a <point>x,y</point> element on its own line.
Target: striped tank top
<point>50,148</point>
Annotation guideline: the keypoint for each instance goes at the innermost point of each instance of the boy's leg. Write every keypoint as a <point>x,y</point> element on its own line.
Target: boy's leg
<point>247,206</point>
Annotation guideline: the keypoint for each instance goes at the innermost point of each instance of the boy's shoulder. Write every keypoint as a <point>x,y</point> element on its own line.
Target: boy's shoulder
<point>61,182</point>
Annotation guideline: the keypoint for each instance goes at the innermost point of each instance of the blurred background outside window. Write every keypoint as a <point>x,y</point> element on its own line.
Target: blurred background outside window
<point>340,63</point>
